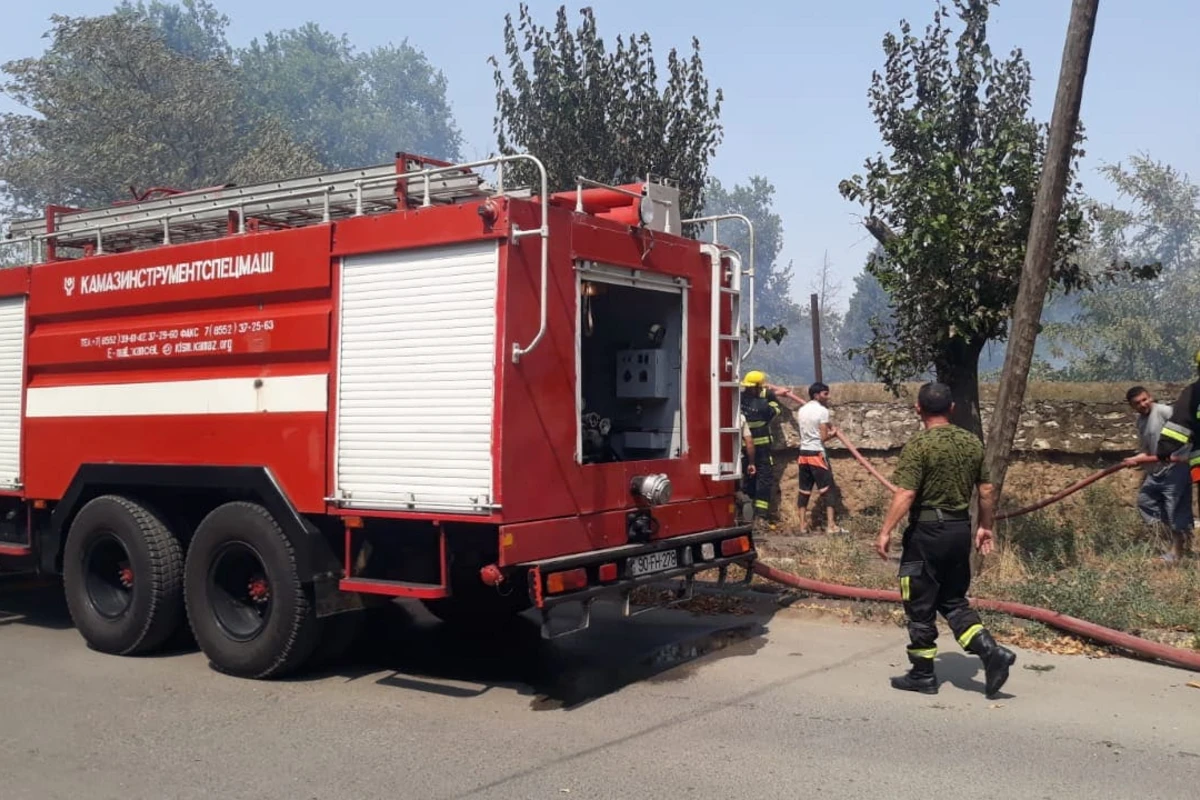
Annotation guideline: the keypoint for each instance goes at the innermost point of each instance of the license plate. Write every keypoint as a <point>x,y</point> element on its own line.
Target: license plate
<point>653,562</point>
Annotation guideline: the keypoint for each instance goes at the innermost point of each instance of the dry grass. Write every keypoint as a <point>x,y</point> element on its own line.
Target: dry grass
<point>1097,563</point>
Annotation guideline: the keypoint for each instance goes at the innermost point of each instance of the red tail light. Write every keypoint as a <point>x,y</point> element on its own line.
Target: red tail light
<point>735,547</point>
<point>608,572</point>
<point>572,579</point>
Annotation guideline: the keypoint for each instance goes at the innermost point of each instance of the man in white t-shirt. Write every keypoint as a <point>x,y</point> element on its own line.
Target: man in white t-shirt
<point>815,429</point>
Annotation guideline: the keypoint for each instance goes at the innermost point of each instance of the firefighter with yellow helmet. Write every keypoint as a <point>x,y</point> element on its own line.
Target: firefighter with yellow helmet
<point>760,406</point>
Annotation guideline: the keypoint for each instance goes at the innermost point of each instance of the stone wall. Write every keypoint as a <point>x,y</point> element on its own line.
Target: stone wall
<point>1067,419</point>
<point>1067,431</point>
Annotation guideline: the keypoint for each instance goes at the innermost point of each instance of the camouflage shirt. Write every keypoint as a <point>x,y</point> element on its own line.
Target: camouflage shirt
<point>942,465</point>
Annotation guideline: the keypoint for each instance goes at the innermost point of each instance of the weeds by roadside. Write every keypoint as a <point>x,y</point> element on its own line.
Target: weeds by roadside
<point>1093,560</point>
<point>1100,564</point>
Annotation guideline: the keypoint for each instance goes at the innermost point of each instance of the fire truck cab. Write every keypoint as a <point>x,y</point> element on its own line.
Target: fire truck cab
<point>250,412</point>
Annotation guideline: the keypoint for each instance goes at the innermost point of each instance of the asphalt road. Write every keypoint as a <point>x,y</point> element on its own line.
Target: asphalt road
<point>789,707</point>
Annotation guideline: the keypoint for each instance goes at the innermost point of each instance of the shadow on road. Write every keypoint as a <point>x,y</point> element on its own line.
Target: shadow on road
<point>966,673</point>
<point>30,600</point>
<point>403,646</point>
<point>419,653</point>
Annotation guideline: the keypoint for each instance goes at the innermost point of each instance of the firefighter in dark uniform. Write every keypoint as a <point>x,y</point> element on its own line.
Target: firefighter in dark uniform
<point>1181,428</point>
<point>937,472</point>
<point>760,407</point>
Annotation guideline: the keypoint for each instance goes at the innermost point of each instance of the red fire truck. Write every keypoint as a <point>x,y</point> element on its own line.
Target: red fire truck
<point>252,411</point>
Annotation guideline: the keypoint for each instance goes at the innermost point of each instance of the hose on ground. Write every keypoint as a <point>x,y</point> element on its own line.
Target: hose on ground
<point>1188,659</point>
<point>1176,656</point>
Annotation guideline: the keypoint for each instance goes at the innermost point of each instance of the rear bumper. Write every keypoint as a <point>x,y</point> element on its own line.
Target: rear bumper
<point>617,570</point>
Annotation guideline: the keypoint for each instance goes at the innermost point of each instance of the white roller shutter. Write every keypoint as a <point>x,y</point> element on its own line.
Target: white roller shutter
<point>416,367</point>
<point>12,371</point>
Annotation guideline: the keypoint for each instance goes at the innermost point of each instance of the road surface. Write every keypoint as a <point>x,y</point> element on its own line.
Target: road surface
<point>789,707</point>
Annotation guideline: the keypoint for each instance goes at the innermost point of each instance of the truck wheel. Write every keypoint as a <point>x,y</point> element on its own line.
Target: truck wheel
<point>249,611</point>
<point>123,577</point>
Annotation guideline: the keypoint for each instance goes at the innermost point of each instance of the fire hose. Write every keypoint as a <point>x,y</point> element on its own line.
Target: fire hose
<point>1188,659</point>
<point>1054,498</point>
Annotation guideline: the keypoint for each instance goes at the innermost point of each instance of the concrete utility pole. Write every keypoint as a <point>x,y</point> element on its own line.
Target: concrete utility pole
<point>1039,252</point>
<point>815,309</point>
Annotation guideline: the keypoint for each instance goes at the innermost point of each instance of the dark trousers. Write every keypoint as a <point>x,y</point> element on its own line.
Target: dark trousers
<point>758,486</point>
<point>935,574</point>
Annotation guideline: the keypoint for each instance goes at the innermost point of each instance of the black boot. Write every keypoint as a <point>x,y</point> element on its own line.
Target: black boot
<point>918,679</point>
<point>996,660</point>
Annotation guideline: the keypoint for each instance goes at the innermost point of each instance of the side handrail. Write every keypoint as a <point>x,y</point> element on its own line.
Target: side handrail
<point>749,273</point>
<point>29,241</point>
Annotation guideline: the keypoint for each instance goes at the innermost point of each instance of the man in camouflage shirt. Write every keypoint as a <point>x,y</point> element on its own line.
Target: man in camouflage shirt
<point>938,470</point>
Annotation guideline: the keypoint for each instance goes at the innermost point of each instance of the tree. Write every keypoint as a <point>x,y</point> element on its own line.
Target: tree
<point>952,203</point>
<point>869,315</point>
<point>351,108</point>
<point>774,308</point>
<point>1141,330</point>
<point>194,28</point>
<point>585,111</point>
<point>113,106</point>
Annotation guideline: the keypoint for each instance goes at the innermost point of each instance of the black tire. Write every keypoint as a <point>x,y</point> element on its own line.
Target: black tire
<point>247,607</point>
<point>123,577</point>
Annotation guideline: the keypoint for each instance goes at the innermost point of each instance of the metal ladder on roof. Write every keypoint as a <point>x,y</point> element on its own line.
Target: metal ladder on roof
<point>218,211</point>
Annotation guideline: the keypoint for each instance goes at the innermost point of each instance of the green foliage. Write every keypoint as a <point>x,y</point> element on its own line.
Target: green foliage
<point>586,111</point>
<point>953,199</point>
<point>774,308</point>
<point>352,108</point>
<point>114,106</point>
<point>869,315</point>
<point>153,95</point>
<point>1096,566</point>
<point>1141,329</point>
<point>194,28</point>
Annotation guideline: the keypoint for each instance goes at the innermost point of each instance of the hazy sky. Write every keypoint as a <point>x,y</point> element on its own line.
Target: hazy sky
<point>795,76</point>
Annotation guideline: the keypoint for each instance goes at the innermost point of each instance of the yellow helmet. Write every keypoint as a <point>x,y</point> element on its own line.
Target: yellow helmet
<point>754,378</point>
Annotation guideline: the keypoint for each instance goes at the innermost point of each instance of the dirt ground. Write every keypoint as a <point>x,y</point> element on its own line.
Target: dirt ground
<point>863,500</point>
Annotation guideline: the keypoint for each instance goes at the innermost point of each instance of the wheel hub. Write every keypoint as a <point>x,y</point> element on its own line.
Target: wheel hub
<point>108,576</point>
<point>239,591</point>
<point>259,590</point>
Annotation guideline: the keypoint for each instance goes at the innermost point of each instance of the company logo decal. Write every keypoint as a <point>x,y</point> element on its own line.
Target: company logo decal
<point>211,269</point>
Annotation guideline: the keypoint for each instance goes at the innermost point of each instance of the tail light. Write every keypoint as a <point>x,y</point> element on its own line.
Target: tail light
<point>736,546</point>
<point>570,580</point>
